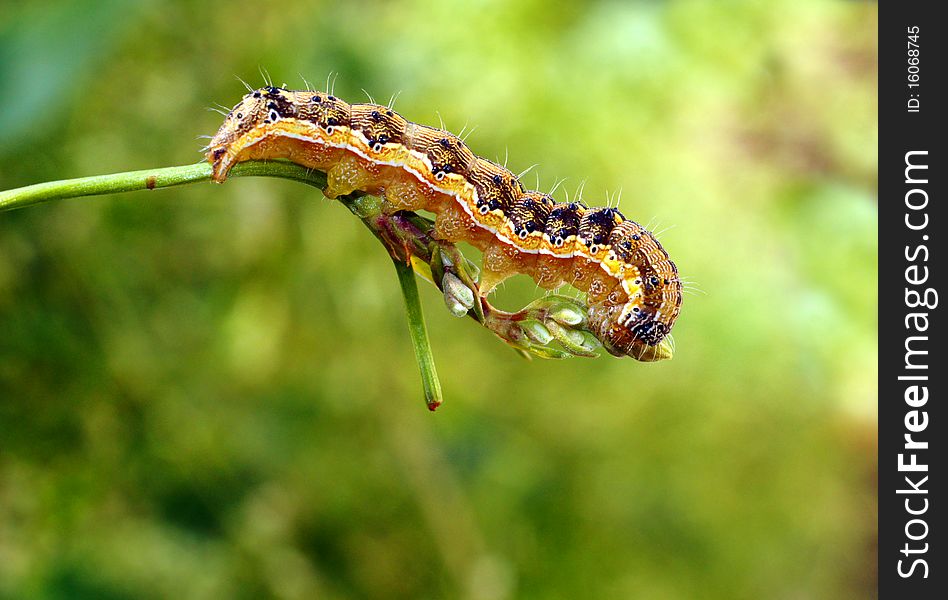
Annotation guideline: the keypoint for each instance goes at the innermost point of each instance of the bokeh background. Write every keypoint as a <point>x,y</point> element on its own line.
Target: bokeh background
<point>209,391</point>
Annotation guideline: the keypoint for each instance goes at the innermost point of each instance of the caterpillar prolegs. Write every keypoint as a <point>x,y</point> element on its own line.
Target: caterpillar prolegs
<point>633,291</point>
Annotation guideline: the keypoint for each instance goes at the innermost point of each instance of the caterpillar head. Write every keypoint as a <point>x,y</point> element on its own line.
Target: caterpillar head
<point>639,327</point>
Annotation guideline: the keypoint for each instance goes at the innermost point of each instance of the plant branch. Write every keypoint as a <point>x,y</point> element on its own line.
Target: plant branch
<point>367,208</point>
<point>150,179</point>
<point>419,334</point>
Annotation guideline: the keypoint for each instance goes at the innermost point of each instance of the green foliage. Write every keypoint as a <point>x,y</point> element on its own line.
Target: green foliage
<point>209,391</point>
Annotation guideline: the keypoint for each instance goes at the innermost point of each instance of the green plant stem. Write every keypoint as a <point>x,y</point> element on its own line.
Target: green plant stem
<point>419,334</point>
<point>149,179</point>
<point>367,210</point>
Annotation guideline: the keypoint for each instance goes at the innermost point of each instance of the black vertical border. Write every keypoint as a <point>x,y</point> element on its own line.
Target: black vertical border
<point>901,131</point>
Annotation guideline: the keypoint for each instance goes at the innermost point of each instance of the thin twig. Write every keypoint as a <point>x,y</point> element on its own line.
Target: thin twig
<point>366,208</point>
<point>419,334</point>
<point>149,179</point>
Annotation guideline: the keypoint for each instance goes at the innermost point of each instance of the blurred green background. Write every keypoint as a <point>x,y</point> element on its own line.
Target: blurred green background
<point>209,391</point>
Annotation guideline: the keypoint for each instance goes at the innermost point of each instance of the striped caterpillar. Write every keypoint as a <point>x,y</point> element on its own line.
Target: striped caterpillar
<point>633,291</point>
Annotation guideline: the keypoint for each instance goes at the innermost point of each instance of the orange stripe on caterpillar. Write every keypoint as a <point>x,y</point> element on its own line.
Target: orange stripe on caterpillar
<point>633,289</point>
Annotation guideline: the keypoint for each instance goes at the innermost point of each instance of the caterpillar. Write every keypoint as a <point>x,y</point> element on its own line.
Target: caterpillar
<point>633,292</point>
